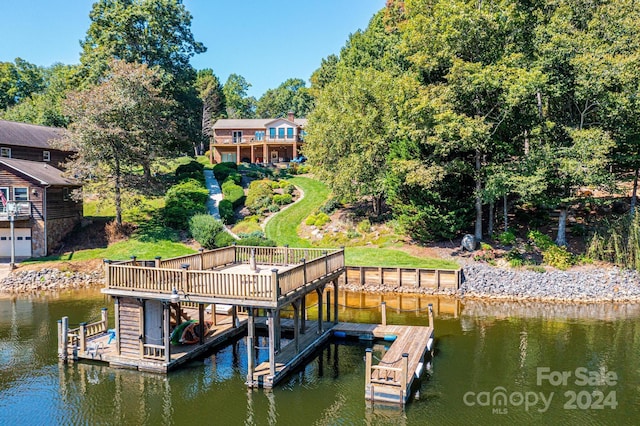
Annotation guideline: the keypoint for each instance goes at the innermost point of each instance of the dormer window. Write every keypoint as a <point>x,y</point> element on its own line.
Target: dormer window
<point>5,152</point>
<point>46,156</point>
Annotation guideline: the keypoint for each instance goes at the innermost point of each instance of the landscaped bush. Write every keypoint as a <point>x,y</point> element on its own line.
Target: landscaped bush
<point>318,219</point>
<point>182,201</point>
<point>222,170</point>
<point>234,177</point>
<point>364,226</point>
<point>204,228</point>
<point>274,184</point>
<point>331,205</point>
<point>282,199</point>
<point>259,196</point>
<point>289,189</point>
<point>233,193</point>
<point>246,226</point>
<point>225,208</point>
<point>224,239</point>
<point>256,241</point>
<point>283,184</point>
<point>191,170</point>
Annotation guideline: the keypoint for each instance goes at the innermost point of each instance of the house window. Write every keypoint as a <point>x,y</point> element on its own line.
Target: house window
<point>237,136</point>
<point>46,156</point>
<point>289,132</point>
<point>272,132</point>
<point>5,152</point>
<point>21,194</point>
<point>280,132</point>
<point>259,136</point>
<point>5,194</point>
<point>66,194</point>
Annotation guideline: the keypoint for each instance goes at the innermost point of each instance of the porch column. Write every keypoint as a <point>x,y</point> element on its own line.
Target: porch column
<point>253,157</point>
<point>167,333</point>
<point>238,154</point>
<point>295,149</point>
<point>277,329</point>
<point>264,152</point>
<point>251,332</point>
<point>319,292</point>
<point>272,341</point>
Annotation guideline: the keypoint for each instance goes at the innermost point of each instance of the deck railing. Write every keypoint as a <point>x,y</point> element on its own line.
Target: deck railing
<point>156,352</point>
<point>198,279</point>
<point>77,337</point>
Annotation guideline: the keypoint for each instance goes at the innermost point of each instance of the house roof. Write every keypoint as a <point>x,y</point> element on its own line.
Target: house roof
<point>252,123</point>
<point>43,173</point>
<point>29,135</point>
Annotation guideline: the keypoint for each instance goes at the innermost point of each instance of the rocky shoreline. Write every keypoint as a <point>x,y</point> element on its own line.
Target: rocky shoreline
<point>49,279</point>
<point>481,281</point>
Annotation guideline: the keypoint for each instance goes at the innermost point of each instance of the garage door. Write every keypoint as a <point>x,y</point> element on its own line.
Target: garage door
<point>23,242</point>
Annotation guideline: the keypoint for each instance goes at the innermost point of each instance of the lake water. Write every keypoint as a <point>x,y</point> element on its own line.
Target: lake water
<point>495,363</point>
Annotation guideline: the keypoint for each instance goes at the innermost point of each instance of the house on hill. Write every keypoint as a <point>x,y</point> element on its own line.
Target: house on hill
<point>263,140</point>
<point>45,208</point>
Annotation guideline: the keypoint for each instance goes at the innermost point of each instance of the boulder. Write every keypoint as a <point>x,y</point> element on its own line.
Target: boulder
<point>469,242</point>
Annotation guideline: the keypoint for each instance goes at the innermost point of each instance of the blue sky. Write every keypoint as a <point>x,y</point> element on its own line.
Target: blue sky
<point>265,41</point>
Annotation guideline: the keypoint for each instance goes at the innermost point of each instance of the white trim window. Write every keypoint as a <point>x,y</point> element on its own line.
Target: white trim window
<point>20,193</point>
<point>5,152</point>
<point>46,156</point>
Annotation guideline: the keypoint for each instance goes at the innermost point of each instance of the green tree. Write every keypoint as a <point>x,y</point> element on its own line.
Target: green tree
<point>18,80</point>
<point>213,103</point>
<point>239,105</point>
<point>115,124</point>
<point>292,95</point>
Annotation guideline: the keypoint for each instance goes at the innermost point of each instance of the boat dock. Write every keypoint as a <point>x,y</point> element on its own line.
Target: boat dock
<point>224,294</point>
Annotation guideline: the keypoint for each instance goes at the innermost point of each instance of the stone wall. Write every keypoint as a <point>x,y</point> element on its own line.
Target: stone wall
<point>57,229</point>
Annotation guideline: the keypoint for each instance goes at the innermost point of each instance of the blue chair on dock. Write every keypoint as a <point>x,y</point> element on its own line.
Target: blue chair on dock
<point>112,335</point>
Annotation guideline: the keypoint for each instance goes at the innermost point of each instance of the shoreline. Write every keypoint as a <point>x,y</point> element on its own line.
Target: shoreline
<point>481,283</point>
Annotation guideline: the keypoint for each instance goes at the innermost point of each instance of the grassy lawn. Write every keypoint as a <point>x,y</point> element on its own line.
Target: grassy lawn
<point>135,214</point>
<point>282,228</point>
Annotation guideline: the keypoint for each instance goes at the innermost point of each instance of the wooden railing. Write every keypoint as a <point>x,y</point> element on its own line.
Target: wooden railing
<point>153,351</point>
<point>221,284</point>
<point>77,337</point>
<point>405,277</point>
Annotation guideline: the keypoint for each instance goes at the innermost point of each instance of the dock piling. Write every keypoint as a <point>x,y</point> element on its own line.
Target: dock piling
<point>383,305</point>
<point>63,351</point>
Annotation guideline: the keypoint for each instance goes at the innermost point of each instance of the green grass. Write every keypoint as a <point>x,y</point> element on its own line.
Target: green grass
<point>204,160</point>
<point>282,228</point>
<point>369,256</point>
<point>133,214</point>
<point>123,250</point>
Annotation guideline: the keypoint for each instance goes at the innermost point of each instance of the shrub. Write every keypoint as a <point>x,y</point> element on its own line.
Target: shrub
<point>204,228</point>
<point>542,241</point>
<point>282,199</point>
<point>331,205</point>
<point>274,184</point>
<point>191,170</point>
<point>233,193</point>
<point>256,241</point>
<point>353,234</point>
<point>225,207</point>
<point>558,257</point>
<point>507,238</point>
<point>222,170</point>
<point>233,177</point>
<point>364,226</point>
<point>289,189</point>
<point>283,184</point>
<point>183,201</point>
<point>224,239</point>
<point>273,208</point>
<point>246,226</point>
<point>252,234</point>
<point>259,195</point>
<point>321,219</point>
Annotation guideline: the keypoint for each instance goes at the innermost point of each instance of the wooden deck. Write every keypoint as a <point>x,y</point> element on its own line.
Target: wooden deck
<point>98,349</point>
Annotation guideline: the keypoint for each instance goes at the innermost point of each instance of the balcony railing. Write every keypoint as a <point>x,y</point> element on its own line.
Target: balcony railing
<point>246,140</point>
<point>23,211</point>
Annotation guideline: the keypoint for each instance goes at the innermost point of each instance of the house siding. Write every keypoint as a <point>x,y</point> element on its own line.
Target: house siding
<point>57,158</point>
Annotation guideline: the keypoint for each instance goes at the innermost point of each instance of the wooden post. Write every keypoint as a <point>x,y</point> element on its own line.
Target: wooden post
<point>437,278</point>
<point>286,254</point>
<point>201,325</point>
<point>107,272</point>
<point>367,369</point>
<point>116,307</point>
<point>303,314</point>
<point>158,261</point>
<point>304,269</point>
<point>238,154</point>
<point>64,349</point>
<point>251,333</point>
<point>399,277</point>
<point>328,305</point>
<point>133,260</point>
<point>166,331</point>
<point>272,347</point>
<point>319,292</point>
<point>296,325</point>
<point>201,251</point>
<point>141,327</point>
<point>383,305</point>
<point>105,320</point>
<point>335,301</point>
<point>275,284</point>
<point>380,276</point>
<point>277,330</point>
<point>82,337</point>
<point>430,315</point>
<point>361,275</point>
<point>234,316</point>
<point>214,320</point>
<point>404,375</point>
<point>417,277</point>
<point>326,262</point>
<point>59,338</point>
<point>185,278</point>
